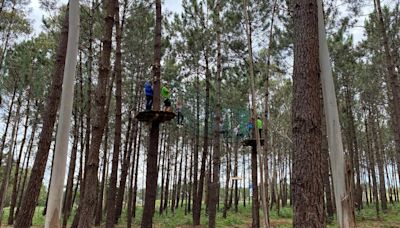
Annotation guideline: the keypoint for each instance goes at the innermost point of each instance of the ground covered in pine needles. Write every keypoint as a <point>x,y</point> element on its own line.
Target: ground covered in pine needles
<point>365,218</point>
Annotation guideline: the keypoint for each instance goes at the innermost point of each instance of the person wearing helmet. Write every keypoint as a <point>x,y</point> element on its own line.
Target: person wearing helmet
<point>148,90</point>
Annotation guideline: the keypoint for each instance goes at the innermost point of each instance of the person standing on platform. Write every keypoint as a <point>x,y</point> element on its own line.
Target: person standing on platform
<point>148,89</point>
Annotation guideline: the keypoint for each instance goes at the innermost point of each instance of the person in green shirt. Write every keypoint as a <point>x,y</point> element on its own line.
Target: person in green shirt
<point>166,95</point>
<point>259,124</point>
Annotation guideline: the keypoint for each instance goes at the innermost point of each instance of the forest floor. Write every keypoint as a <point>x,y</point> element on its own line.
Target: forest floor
<point>242,219</point>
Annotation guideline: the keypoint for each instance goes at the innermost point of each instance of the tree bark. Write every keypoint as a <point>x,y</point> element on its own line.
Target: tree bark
<point>3,139</point>
<point>87,209</point>
<point>254,182</point>
<point>195,159</point>
<point>32,191</point>
<point>216,159</point>
<point>379,159</point>
<point>28,155</point>
<point>228,175</point>
<point>166,187</point>
<point>393,82</point>
<point>71,172</point>
<point>136,175</point>
<point>371,159</point>
<point>131,181</point>
<point>326,172</point>
<point>100,202</point>
<point>111,197</point>
<point>151,172</point>
<point>248,28</point>
<point>10,156</point>
<point>352,143</point>
<point>17,183</point>
<point>131,135</point>
<point>163,154</point>
<point>307,189</point>
<point>198,198</point>
<point>179,190</point>
<point>236,173</point>
<point>174,184</point>
<point>244,179</point>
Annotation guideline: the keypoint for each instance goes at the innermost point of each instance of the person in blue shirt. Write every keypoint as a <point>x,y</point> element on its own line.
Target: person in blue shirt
<point>148,89</point>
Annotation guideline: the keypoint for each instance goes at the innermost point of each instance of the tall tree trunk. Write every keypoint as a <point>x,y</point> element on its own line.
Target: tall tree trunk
<point>31,194</point>
<point>10,156</point>
<point>236,174</point>
<point>88,112</point>
<point>151,172</point>
<point>307,177</point>
<point>198,198</point>
<point>78,138</point>
<point>266,106</point>
<point>248,24</point>
<point>87,209</point>
<point>53,215</point>
<point>244,179</point>
<point>379,158</point>
<point>191,184</point>
<point>254,182</point>
<point>111,197</point>
<point>273,182</point>
<point>131,135</point>
<point>133,166</point>
<point>228,175</point>
<point>163,154</point>
<point>135,188</point>
<point>352,144</point>
<point>195,159</point>
<point>371,159</point>
<point>17,183</point>
<point>71,172</point>
<point>393,82</point>
<point>173,199</point>
<point>166,187</point>
<point>103,200</point>
<point>179,187</point>
<point>51,172</point>
<point>3,139</point>
<point>326,171</point>
<point>127,156</point>
<point>28,155</point>
<point>186,188</point>
<point>216,159</point>
<point>99,204</point>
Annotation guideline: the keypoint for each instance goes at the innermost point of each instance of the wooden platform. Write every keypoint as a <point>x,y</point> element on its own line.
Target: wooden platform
<point>155,116</point>
<point>252,142</point>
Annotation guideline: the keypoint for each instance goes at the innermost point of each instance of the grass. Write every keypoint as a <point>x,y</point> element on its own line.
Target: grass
<point>365,218</point>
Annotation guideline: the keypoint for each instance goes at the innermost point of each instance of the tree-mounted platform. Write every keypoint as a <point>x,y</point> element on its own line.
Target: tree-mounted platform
<point>252,142</point>
<point>155,116</point>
